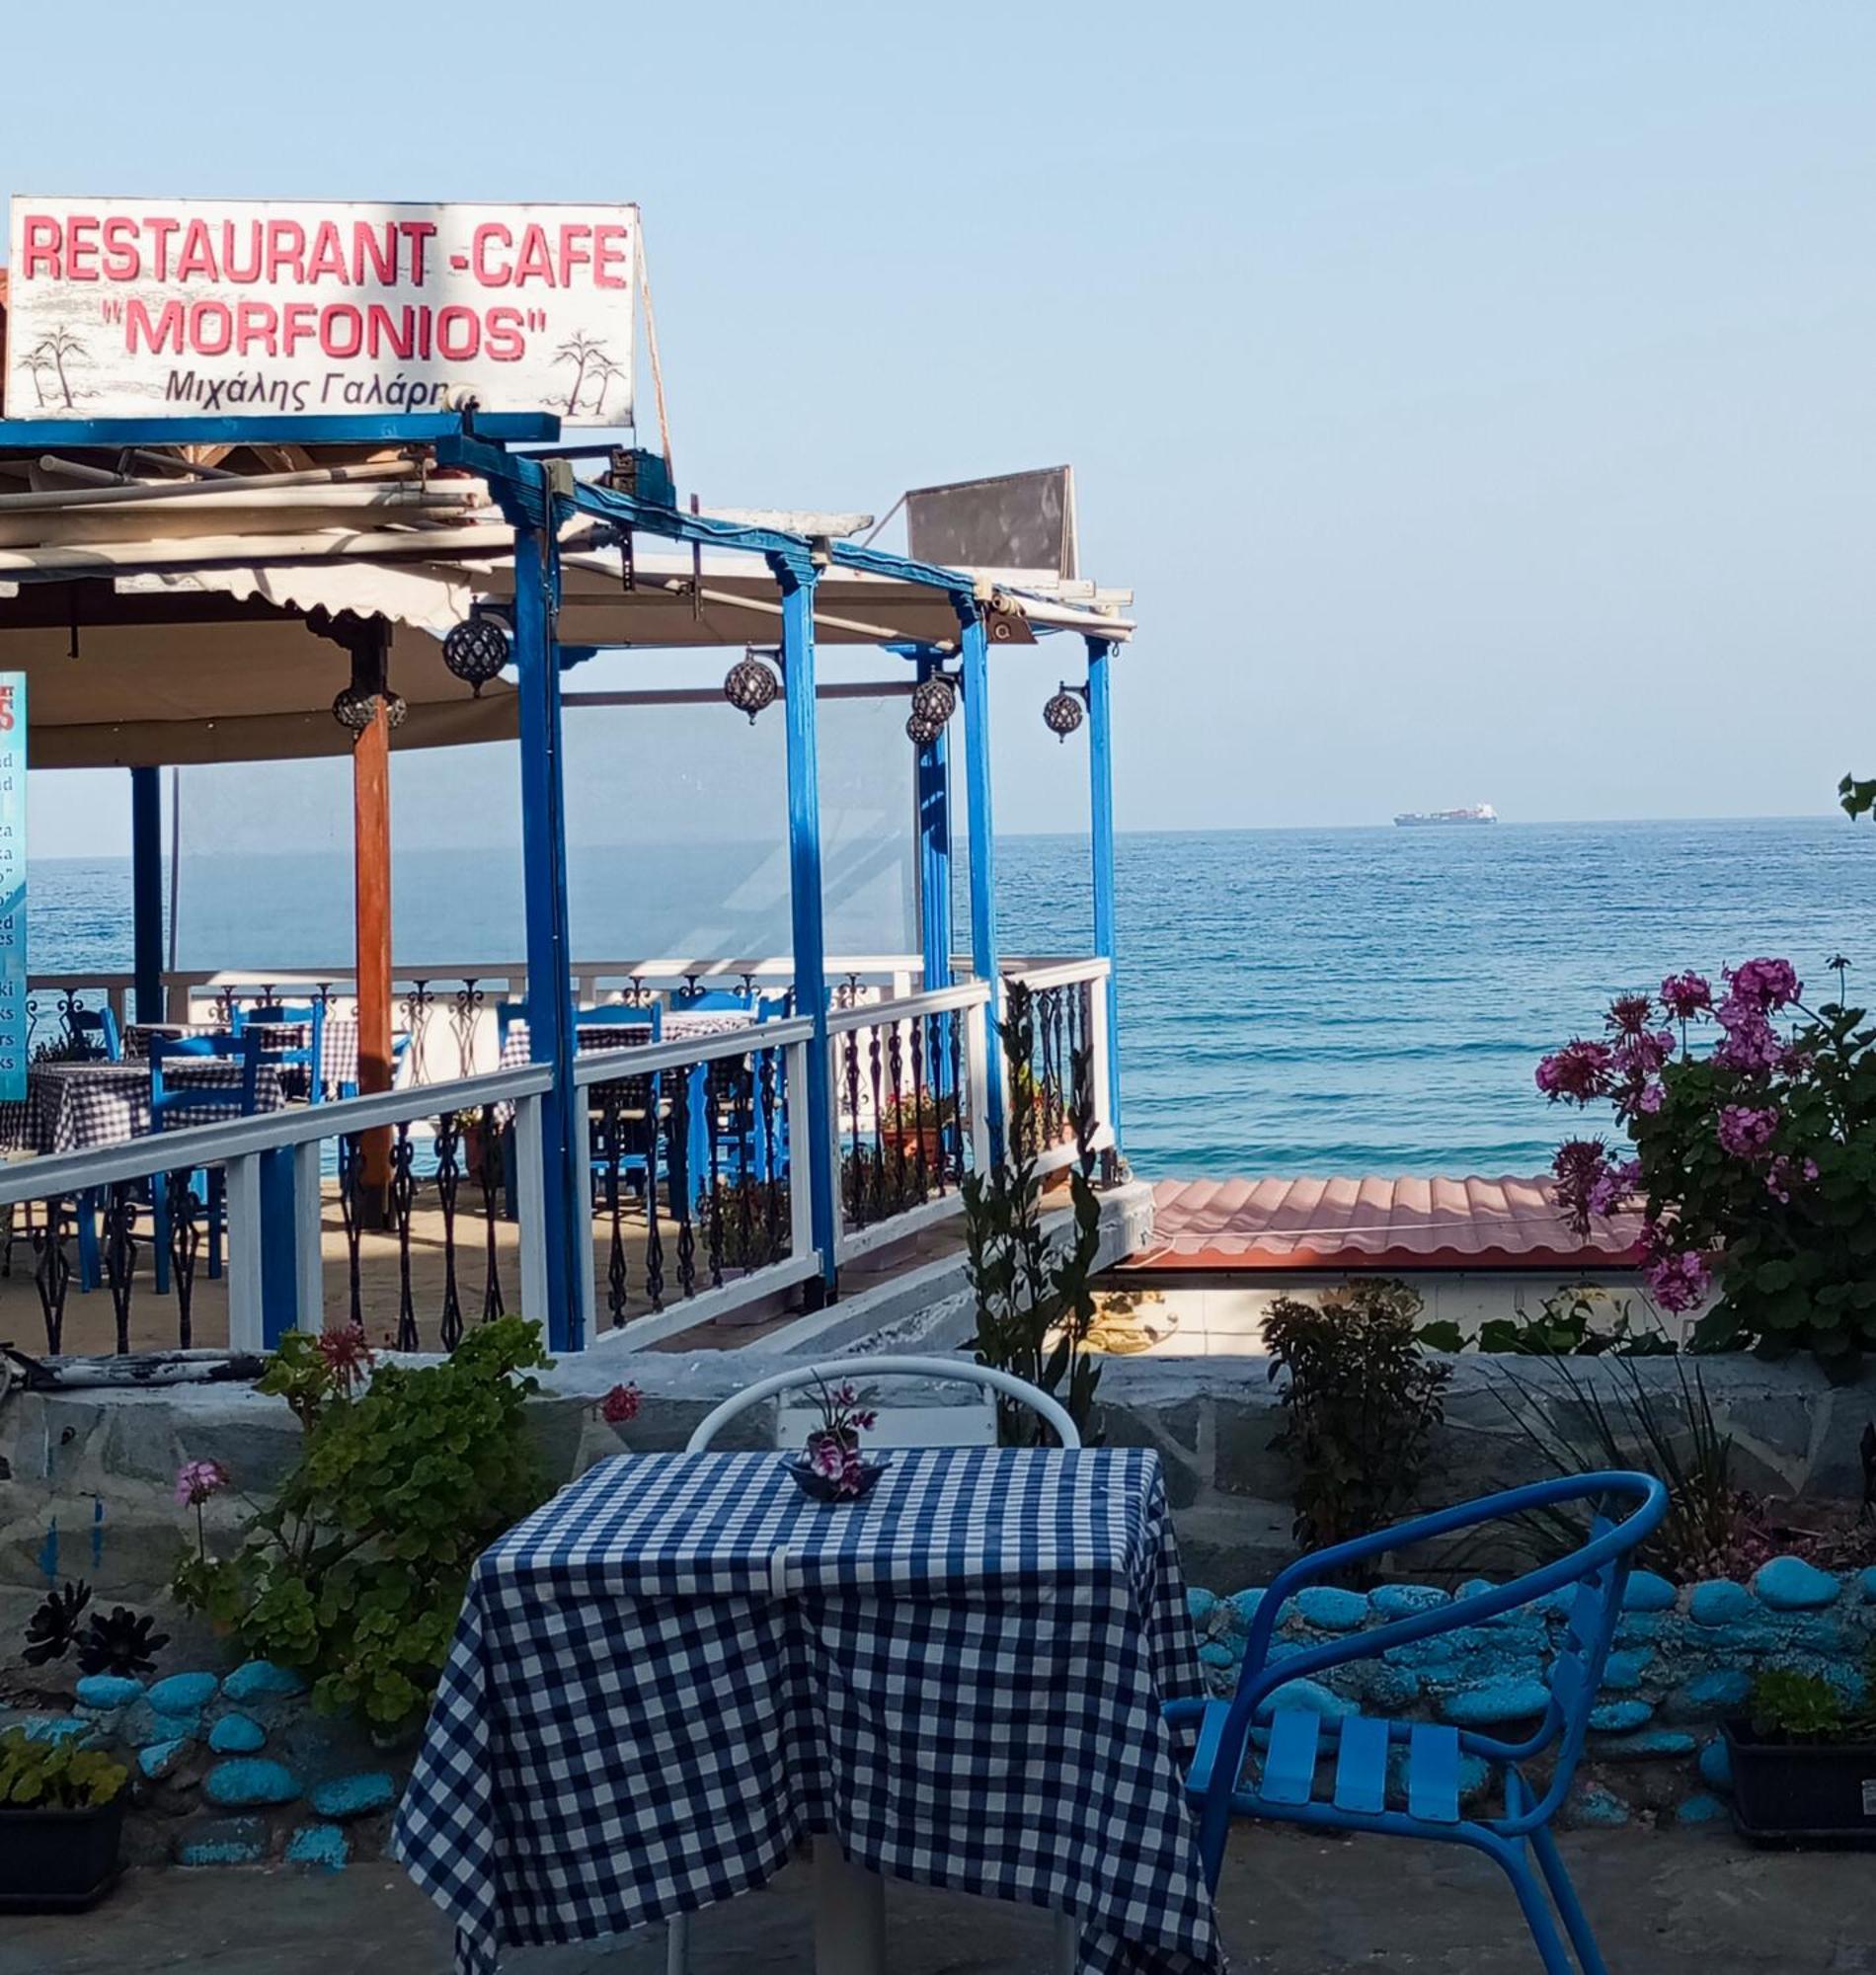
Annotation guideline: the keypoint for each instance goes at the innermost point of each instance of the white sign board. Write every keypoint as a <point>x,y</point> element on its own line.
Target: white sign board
<point>181,308</point>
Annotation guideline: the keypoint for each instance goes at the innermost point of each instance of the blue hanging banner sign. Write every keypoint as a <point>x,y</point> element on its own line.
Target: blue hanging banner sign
<point>13,1023</point>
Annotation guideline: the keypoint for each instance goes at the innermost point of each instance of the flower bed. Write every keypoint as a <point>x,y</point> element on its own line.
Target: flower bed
<point>1684,1660</point>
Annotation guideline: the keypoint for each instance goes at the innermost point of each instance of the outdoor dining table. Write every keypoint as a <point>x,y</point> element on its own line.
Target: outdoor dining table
<point>76,1107</point>
<point>681,1666</point>
<point>339,1045</point>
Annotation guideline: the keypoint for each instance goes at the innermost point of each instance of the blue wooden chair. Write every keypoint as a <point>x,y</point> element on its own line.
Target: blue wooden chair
<point>1378,1763</point>
<point>92,1035</point>
<point>637,1139</point>
<point>175,1106</point>
<point>305,1062</point>
<point>710,1000</point>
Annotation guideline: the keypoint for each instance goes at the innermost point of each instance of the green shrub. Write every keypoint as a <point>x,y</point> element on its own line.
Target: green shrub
<point>1362,1405</point>
<point>355,1573</point>
<point>55,1775</point>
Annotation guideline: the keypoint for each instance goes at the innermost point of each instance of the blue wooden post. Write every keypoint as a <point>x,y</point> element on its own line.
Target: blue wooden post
<point>1101,841</point>
<point>796,577</point>
<point>550,1010</point>
<point>976,775</point>
<point>934,850</point>
<point>280,1246</point>
<point>146,892</point>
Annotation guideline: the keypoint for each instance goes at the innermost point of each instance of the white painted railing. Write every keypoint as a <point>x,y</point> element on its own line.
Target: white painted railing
<point>875,1068</point>
<point>597,1068</point>
<point>240,1146</point>
<point>1069,1002</point>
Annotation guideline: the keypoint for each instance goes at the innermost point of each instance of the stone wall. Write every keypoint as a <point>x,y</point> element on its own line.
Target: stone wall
<point>1683,1659</point>
<point>1213,1422</point>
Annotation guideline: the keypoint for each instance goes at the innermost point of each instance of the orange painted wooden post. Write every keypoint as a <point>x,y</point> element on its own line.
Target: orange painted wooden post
<point>371,902</point>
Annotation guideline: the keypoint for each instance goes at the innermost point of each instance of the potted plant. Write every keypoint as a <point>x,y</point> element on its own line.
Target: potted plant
<point>1804,1765</point>
<point>61,1817</point>
<point>927,1119</point>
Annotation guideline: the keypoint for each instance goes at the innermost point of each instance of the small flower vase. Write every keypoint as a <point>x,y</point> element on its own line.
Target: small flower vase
<point>831,1469</point>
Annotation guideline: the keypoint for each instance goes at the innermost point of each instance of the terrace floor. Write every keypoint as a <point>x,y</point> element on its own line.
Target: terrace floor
<point>1686,1903</point>
<point>90,1325</point>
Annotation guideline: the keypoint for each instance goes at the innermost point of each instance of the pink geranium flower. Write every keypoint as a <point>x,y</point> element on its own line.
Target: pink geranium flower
<point>197,1480</point>
<point>1578,1073</point>
<point>1685,995</point>
<point>620,1406</point>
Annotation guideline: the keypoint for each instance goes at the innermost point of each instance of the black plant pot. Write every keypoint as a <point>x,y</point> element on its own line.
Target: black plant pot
<point>1795,1792</point>
<point>58,1861</point>
<point>818,1488</point>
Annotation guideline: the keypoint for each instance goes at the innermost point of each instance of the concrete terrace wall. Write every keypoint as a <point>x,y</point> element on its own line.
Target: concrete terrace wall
<point>86,1478</point>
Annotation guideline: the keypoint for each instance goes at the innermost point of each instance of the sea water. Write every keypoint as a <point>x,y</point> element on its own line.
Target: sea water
<point>1292,1002</point>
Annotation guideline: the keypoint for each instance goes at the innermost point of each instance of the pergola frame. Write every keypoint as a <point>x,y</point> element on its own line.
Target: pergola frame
<point>539,497</point>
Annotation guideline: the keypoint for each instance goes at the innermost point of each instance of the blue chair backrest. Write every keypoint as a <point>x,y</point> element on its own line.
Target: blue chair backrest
<point>310,1054</point>
<point>710,1000</point>
<point>203,1102</point>
<point>93,1033</point>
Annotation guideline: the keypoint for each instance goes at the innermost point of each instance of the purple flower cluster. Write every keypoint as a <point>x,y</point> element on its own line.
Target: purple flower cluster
<point>197,1481</point>
<point>1744,1131</point>
<point>1578,1074</point>
<point>1685,995</point>
<point>1767,983</point>
<point>1678,1282</point>
<point>1786,1173</point>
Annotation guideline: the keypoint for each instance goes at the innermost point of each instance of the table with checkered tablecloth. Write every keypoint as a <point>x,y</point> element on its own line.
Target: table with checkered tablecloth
<point>339,1045</point>
<point>74,1107</point>
<point>681,1665</point>
<point>628,1034</point>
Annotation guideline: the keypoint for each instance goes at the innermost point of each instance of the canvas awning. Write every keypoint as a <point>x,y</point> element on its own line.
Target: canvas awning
<point>160,625</point>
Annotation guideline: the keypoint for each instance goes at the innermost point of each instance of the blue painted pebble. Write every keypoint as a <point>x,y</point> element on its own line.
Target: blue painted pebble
<point>1789,1584</point>
<point>250,1779</point>
<point>236,1735</point>
<point>353,1796</point>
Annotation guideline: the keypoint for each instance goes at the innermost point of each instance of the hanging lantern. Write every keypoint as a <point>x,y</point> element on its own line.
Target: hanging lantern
<point>476,651</point>
<point>934,700</point>
<point>1063,714</point>
<point>355,709</point>
<point>750,686</point>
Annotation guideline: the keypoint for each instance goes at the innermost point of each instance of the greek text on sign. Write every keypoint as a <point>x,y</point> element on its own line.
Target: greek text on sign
<point>146,308</point>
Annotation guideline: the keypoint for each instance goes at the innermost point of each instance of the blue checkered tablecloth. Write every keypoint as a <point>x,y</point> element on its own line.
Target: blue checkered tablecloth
<point>674,1670</point>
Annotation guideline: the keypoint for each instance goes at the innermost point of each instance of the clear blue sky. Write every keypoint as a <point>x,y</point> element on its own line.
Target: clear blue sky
<point>1479,397</point>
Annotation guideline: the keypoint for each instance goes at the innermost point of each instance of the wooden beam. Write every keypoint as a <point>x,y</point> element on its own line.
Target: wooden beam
<point>371,902</point>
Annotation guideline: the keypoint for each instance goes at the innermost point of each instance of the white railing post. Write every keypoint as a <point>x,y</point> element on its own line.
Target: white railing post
<point>247,1330</point>
<point>531,1206</point>
<point>977,1079</point>
<point>801,1207</point>
<point>1097,1047</point>
<point>308,1258</point>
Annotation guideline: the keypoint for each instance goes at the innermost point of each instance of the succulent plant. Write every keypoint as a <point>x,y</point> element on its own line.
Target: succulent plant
<point>53,1629</point>
<point>121,1643</point>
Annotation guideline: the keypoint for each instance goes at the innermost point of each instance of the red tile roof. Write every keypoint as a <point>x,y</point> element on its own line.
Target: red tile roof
<point>1375,1223</point>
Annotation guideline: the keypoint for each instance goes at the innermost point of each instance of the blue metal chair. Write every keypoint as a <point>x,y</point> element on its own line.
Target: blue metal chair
<point>1376,1760</point>
<point>307,1058</point>
<point>638,1141</point>
<point>92,1035</point>
<point>710,1000</point>
<point>175,1106</point>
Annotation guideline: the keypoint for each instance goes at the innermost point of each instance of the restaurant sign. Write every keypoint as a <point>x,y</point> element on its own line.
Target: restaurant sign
<point>151,309</point>
<point>13,1010</point>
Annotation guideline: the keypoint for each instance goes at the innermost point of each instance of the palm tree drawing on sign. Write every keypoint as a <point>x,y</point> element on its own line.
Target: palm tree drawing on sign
<point>605,371</point>
<point>36,364</point>
<point>54,349</point>
<point>580,350</point>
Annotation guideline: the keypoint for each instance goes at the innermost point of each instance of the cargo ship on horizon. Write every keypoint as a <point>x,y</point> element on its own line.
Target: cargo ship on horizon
<point>1478,813</point>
